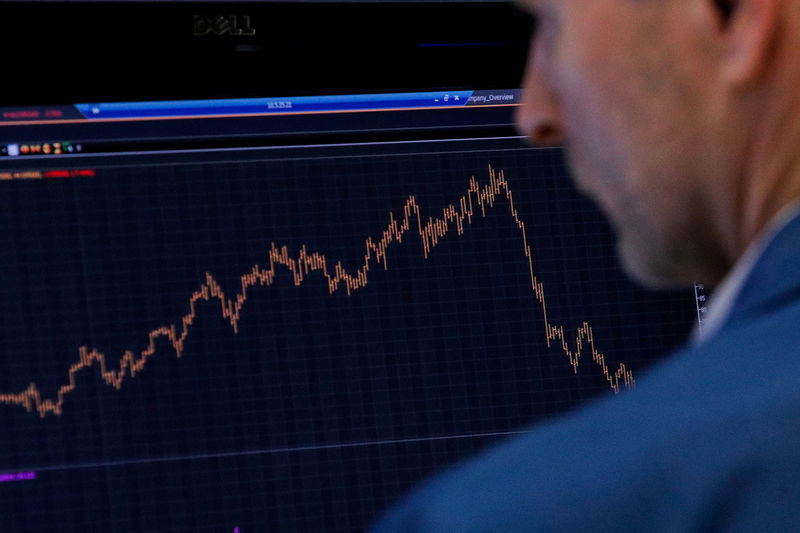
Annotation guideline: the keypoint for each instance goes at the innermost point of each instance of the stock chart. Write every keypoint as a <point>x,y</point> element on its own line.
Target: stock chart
<point>291,339</point>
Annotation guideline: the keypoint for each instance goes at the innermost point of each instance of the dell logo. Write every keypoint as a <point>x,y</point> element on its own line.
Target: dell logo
<point>231,25</point>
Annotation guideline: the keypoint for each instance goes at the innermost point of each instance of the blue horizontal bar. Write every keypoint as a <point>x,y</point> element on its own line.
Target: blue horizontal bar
<point>244,106</point>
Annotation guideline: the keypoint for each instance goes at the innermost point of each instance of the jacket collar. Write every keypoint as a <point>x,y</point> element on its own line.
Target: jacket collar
<point>774,280</point>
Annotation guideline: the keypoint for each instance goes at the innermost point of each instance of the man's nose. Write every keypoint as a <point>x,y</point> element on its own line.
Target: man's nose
<point>539,116</point>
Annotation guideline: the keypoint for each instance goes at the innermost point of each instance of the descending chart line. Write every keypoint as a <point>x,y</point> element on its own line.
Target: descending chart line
<point>431,230</point>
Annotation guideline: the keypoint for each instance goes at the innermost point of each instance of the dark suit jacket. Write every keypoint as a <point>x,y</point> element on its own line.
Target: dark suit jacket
<point>708,440</point>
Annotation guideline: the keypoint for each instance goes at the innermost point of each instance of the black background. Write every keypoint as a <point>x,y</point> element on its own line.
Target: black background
<point>71,52</point>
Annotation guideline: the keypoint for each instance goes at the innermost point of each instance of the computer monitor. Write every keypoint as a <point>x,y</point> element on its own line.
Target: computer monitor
<point>236,301</point>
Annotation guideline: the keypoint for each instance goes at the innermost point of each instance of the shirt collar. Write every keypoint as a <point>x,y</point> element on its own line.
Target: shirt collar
<point>722,301</point>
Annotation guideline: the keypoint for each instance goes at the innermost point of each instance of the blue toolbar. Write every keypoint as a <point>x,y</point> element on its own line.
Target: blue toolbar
<point>260,106</point>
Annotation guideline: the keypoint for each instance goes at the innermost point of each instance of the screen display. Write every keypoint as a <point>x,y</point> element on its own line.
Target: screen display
<point>251,316</point>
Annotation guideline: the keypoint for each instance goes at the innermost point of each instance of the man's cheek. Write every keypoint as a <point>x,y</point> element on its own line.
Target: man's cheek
<point>584,173</point>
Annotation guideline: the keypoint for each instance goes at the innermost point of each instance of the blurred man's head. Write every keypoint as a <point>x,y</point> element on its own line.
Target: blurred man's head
<point>681,118</point>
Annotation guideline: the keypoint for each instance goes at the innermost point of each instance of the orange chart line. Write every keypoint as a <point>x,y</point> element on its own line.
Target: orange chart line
<point>431,230</point>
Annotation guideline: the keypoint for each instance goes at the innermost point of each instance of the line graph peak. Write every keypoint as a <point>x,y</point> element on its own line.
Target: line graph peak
<point>479,199</point>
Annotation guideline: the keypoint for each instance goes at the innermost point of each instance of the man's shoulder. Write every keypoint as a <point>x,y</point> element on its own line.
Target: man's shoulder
<point>746,375</point>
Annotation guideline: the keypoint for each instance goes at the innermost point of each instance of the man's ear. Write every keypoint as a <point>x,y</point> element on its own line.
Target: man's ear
<point>747,31</point>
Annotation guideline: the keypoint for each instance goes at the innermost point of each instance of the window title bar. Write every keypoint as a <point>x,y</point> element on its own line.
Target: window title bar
<point>299,104</point>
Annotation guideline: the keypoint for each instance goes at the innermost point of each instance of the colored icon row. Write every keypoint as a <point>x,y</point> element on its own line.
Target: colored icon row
<point>56,148</point>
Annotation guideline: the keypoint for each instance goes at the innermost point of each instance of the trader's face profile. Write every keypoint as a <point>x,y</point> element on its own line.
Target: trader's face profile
<point>609,80</point>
